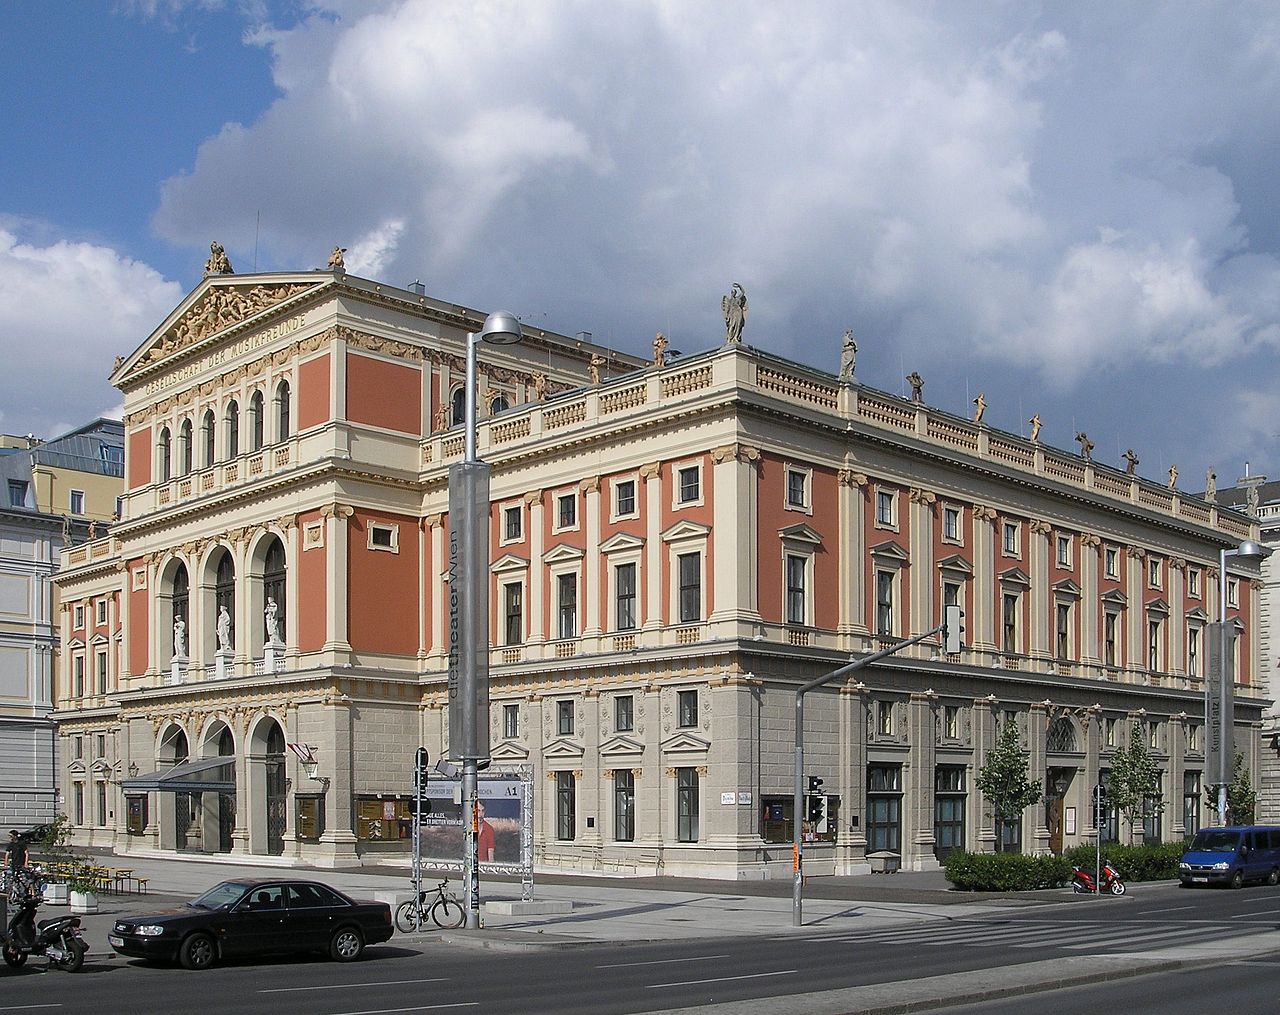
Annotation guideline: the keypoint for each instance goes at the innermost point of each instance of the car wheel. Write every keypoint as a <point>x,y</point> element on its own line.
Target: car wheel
<point>197,952</point>
<point>347,945</point>
<point>13,957</point>
<point>1237,879</point>
<point>1273,878</point>
<point>448,913</point>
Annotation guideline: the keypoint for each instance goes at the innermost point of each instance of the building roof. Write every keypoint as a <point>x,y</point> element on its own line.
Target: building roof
<point>96,447</point>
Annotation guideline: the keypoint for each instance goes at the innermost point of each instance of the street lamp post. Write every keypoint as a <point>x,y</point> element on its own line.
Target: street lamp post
<point>469,611</point>
<point>1252,551</point>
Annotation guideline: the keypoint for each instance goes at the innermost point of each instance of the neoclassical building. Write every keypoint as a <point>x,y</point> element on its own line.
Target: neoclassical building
<point>676,546</point>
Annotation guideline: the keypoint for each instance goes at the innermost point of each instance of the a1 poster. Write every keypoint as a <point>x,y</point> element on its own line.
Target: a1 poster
<point>498,840</point>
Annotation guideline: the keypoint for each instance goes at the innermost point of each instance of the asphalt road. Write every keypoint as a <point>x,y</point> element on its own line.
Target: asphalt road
<point>424,973</point>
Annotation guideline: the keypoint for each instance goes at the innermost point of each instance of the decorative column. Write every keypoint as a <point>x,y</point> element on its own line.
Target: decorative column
<point>1133,653</point>
<point>1037,764</point>
<point>920,552</point>
<point>338,843</point>
<point>1176,825</point>
<point>336,531</point>
<point>735,536</point>
<point>1042,621</point>
<point>981,626</point>
<point>985,711</point>
<point>1176,626</point>
<point>923,713</point>
<point>654,610</point>
<point>591,578</point>
<point>851,837</point>
<point>537,621</point>
<point>1090,653</point>
<point>730,705</point>
<point>1092,722</point>
<point>852,566</point>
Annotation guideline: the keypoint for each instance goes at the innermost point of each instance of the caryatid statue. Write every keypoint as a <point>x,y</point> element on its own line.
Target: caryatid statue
<point>735,313</point>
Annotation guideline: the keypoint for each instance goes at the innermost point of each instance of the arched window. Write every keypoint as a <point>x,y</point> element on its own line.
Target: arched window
<point>499,404</point>
<point>165,454</point>
<point>1061,737</point>
<point>233,429</point>
<point>207,435</point>
<point>274,585</point>
<point>282,411</point>
<point>275,740</point>
<point>184,447</point>
<point>226,744</point>
<point>459,401</point>
<point>255,419</point>
<point>224,595</point>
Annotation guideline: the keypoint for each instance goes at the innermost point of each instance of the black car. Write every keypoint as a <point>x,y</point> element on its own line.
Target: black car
<point>255,917</point>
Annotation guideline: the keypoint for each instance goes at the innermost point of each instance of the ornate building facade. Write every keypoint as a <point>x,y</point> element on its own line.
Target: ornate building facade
<point>676,547</point>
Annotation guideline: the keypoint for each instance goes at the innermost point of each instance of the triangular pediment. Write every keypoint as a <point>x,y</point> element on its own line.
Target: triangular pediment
<point>76,642</point>
<point>100,767</point>
<point>562,554</point>
<point>76,767</point>
<point>685,742</point>
<point>686,530</point>
<point>890,550</point>
<point>1115,597</point>
<point>955,564</point>
<point>801,533</point>
<point>220,303</point>
<point>1066,587</point>
<point>621,745</point>
<point>509,562</point>
<point>510,751</point>
<point>1015,576</point>
<point>1198,614</point>
<point>1157,606</point>
<point>100,639</point>
<point>563,748</point>
<point>621,542</point>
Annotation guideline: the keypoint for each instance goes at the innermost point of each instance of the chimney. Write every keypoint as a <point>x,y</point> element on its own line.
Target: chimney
<point>417,288</point>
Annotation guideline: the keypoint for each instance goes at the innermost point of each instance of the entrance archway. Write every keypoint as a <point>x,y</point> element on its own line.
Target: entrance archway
<point>268,788</point>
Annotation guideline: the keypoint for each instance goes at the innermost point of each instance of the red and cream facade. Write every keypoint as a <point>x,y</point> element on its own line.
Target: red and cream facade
<point>675,549</point>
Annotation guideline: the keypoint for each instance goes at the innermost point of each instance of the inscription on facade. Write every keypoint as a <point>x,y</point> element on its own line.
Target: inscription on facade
<point>226,354</point>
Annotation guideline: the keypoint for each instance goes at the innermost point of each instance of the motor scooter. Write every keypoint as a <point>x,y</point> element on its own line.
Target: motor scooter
<point>1082,881</point>
<point>58,939</point>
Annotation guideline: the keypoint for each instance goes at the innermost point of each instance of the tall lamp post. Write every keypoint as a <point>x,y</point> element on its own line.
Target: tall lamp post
<point>1251,551</point>
<point>469,611</point>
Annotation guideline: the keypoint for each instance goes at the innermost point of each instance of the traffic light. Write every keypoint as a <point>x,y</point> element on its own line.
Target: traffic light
<point>422,772</point>
<point>420,807</point>
<point>815,785</point>
<point>952,630</point>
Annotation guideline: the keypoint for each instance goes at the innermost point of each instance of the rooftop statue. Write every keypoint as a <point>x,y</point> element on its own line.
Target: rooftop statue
<point>848,356</point>
<point>1035,427</point>
<point>218,263</point>
<point>981,403</point>
<point>660,350</point>
<point>1132,461</point>
<point>335,259</point>
<point>735,313</point>
<point>917,386</point>
<point>1086,446</point>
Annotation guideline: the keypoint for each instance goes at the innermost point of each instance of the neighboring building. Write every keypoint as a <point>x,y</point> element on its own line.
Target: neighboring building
<point>1264,505</point>
<point>54,493</point>
<point>675,549</point>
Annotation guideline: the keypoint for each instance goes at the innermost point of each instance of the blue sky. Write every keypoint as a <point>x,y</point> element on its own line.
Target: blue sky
<point>1067,207</point>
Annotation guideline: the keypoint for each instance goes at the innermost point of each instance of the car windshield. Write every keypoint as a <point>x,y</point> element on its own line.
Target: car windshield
<point>1215,840</point>
<point>221,895</point>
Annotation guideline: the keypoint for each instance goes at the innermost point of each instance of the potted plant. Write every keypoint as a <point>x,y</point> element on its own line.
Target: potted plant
<point>82,889</point>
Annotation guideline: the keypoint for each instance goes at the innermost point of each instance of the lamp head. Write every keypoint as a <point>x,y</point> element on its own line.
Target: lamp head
<point>501,328</point>
<point>1250,550</point>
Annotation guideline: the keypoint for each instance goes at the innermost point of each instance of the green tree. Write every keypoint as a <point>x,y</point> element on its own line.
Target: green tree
<point>1004,780</point>
<point>1133,787</point>
<point>1241,798</point>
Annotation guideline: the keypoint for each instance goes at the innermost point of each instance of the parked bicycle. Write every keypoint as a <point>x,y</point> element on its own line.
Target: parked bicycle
<point>440,904</point>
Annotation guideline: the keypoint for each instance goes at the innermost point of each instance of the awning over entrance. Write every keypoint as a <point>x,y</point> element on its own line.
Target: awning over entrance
<point>208,775</point>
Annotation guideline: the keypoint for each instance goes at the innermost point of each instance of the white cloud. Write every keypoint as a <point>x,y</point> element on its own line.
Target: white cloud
<point>369,255</point>
<point>66,310</point>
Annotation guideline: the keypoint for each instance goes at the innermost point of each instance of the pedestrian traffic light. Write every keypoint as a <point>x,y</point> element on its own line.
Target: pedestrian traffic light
<point>422,771</point>
<point>952,630</point>
<point>420,807</point>
<point>815,785</point>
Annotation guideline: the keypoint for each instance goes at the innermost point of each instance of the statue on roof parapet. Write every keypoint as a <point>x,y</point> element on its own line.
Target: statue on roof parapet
<point>1086,446</point>
<point>597,361</point>
<point>981,407</point>
<point>336,262</point>
<point>1035,428</point>
<point>1211,485</point>
<point>848,358</point>
<point>1131,462</point>
<point>660,344</point>
<point>917,386</point>
<point>1173,477</point>
<point>218,263</point>
<point>734,306</point>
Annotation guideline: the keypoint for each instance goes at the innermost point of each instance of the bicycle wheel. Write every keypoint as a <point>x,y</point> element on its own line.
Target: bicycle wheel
<point>408,918</point>
<point>448,912</point>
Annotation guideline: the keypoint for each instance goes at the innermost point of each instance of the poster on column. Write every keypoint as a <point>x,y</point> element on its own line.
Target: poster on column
<point>1220,707</point>
<point>504,819</point>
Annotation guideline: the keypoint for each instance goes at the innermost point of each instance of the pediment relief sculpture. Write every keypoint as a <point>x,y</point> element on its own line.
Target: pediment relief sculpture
<point>219,308</point>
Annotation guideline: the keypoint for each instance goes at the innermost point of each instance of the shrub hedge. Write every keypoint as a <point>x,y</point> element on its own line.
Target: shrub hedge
<point>1013,872</point>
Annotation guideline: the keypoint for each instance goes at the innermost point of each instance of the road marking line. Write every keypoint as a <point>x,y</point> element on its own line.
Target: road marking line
<point>1254,916</point>
<point>339,986</point>
<point>28,1007</point>
<point>662,962</point>
<point>422,1007</point>
<point>694,983</point>
<point>1174,909</point>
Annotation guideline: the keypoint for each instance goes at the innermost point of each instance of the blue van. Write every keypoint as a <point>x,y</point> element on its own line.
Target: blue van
<point>1232,856</point>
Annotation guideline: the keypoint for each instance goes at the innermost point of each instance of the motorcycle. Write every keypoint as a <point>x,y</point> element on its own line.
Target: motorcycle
<point>1082,881</point>
<point>59,940</point>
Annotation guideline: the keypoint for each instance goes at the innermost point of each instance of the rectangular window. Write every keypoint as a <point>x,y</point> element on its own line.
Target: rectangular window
<point>1190,802</point>
<point>1011,539</point>
<point>1064,551</point>
<point>1233,592</point>
<point>884,718</point>
<point>1153,735</point>
<point>510,722</point>
<point>1109,732</point>
<point>512,523</point>
<point>566,807</point>
<point>78,743</point>
<point>567,511</point>
<point>951,722</point>
<point>624,713</point>
<point>1153,646</point>
<point>17,493</point>
<point>384,537</point>
<point>78,617</point>
<point>624,494</point>
<point>797,604</point>
<point>1009,622</point>
<point>564,718</point>
<point>948,809</point>
<point>689,480</point>
<point>951,524</point>
<point>689,566</point>
<point>884,602</point>
<point>79,803</point>
<point>1193,651</point>
<point>884,808</point>
<point>624,585</point>
<point>687,804</point>
<point>1064,631</point>
<point>76,502</point>
<point>101,607</point>
<point>797,488</point>
<point>567,600</point>
<point>513,613</point>
<point>77,678</point>
<point>1153,573</point>
<point>1110,629</point>
<point>950,594</point>
<point>1193,582</point>
<point>624,805</point>
<point>100,673</point>
<point>688,709</point>
<point>885,502</point>
<point>100,745</point>
<point>100,810</point>
<point>1193,737</point>
<point>1111,562</point>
